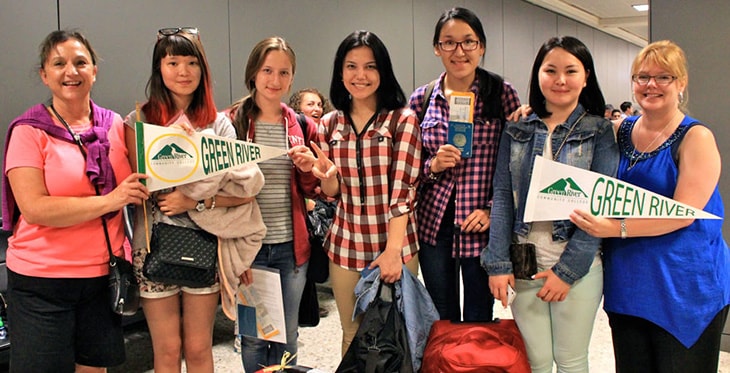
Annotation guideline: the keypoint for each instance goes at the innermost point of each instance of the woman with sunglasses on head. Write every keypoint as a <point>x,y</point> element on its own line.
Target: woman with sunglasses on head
<point>554,309</point>
<point>455,190</point>
<point>58,200</point>
<point>667,281</point>
<point>370,157</point>
<point>180,94</point>
<point>261,117</point>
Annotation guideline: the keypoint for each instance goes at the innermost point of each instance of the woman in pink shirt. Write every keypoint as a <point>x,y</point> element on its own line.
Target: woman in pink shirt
<point>57,257</point>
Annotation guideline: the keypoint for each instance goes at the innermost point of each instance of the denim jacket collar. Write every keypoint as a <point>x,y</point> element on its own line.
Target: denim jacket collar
<point>575,116</point>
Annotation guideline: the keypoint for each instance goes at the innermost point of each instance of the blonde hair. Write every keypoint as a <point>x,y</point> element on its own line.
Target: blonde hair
<point>669,56</point>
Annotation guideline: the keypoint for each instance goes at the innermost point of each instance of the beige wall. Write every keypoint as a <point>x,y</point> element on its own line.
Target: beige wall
<point>123,33</point>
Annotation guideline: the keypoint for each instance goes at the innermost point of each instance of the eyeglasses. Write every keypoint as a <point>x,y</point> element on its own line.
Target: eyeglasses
<point>169,31</point>
<point>466,45</point>
<point>659,79</point>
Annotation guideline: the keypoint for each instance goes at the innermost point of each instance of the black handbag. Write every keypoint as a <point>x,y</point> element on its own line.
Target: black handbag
<point>381,342</point>
<point>123,284</point>
<point>181,256</point>
<point>524,260</point>
<point>123,287</point>
<point>309,305</point>
<point>319,263</point>
<point>318,224</point>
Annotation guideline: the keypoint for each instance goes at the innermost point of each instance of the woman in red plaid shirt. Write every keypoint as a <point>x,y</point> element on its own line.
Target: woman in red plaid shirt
<point>370,157</point>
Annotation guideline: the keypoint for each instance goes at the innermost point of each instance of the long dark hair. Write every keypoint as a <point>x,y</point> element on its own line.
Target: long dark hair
<point>389,94</point>
<point>160,107</point>
<point>591,97</point>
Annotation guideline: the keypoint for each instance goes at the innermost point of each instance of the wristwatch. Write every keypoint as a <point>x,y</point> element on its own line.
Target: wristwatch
<point>434,176</point>
<point>200,207</point>
<point>624,231</point>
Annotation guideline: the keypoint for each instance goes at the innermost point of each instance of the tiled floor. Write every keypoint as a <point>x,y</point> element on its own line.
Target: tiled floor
<point>319,347</point>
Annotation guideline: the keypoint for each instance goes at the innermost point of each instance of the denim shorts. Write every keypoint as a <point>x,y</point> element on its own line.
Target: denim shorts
<point>56,323</point>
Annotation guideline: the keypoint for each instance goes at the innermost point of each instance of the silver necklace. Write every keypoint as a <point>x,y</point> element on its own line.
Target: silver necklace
<point>635,156</point>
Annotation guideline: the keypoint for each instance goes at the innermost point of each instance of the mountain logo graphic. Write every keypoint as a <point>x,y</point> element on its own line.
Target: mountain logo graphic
<point>170,152</point>
<point>565,187</point>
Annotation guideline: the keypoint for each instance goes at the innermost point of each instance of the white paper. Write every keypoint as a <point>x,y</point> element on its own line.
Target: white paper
<point>267,289</point>
<point>461,107</point>
<point>511,294</point>
<point>170,157</point>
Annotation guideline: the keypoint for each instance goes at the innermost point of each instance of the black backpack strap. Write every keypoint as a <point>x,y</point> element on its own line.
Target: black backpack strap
<point>302,123</point>
<point>426,100</point>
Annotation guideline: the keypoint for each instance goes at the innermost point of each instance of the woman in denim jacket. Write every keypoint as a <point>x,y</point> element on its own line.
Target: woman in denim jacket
<point>555,310</point>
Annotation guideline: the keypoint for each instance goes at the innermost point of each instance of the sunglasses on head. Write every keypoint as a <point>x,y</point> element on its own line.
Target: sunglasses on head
<point>169,31</point>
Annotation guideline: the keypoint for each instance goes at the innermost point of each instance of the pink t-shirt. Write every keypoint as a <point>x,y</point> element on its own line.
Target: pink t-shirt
<point>77,251</point>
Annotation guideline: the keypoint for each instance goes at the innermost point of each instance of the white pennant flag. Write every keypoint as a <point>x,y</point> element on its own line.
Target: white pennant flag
<point>171,157</point>
<point>556,189</point>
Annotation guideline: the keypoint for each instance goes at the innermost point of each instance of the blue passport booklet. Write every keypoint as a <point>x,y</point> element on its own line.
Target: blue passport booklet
<point>460,136</point>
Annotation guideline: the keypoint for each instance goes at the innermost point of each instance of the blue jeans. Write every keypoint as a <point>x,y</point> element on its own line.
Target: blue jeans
<point>439,276</point>
<point>257,352</point>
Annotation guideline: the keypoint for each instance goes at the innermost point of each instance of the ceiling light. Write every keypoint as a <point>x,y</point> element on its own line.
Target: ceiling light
<point>641,7</point>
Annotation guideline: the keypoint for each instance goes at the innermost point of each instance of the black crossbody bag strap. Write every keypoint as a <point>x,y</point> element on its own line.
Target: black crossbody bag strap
<point>112,258</point>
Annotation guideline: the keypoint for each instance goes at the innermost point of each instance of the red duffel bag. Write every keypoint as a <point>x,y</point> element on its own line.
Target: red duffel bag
<point>475,347</point>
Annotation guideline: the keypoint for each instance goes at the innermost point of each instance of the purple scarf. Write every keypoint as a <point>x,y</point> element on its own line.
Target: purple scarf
<point>98,167</point>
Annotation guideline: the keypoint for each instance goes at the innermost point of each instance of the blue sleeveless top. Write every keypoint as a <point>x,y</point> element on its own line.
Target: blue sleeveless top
<point>680,280</point>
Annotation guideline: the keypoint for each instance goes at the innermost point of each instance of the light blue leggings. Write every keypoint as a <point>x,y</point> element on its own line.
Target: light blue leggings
<point>558,331</point>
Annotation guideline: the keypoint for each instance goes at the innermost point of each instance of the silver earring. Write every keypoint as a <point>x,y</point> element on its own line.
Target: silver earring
<point>681,97</point>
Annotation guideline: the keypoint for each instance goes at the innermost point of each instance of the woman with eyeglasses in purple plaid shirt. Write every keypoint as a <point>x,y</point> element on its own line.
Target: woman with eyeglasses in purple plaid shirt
<point>455,190</point>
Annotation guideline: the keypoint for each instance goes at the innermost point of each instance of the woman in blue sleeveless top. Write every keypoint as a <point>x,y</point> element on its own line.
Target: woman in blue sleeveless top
<point>667,281</point>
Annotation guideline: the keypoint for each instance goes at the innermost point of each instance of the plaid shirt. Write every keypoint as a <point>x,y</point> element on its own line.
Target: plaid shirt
<point>472,178</point>
<point>378,171</point>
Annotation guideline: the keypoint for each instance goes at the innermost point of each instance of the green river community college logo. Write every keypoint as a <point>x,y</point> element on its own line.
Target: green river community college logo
<point>173,162</point>
<point>171,152</point>
<point>566,188</point>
